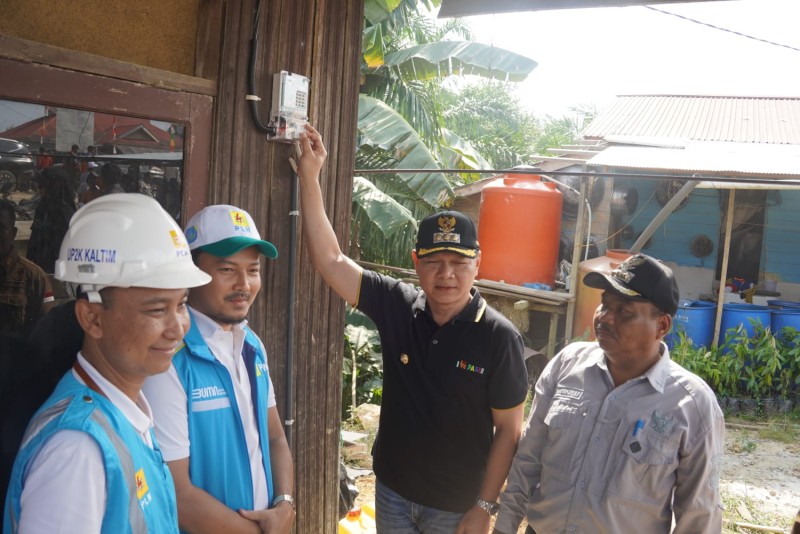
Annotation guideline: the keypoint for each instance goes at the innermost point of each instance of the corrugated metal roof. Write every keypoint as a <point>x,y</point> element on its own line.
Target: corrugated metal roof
<point>706,157</point>
<point>773,120</point>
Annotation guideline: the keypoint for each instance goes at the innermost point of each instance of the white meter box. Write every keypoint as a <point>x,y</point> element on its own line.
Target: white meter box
<point>289,112</point>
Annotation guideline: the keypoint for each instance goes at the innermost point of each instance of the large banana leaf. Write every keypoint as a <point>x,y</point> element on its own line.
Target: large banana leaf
<point>446,58</point>
<point>458,153</point>
<point>376,11</point>
<point>381,126</point>
<point>383,211</point>
<point>372,46</point>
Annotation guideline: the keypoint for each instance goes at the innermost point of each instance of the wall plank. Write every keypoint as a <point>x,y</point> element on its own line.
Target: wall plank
<point>322,40</point>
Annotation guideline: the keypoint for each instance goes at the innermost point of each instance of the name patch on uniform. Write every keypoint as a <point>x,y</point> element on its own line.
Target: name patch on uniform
<point>461,364</point>
<point>207,392</point>
<point>209,398</point>
<point>569,393</point>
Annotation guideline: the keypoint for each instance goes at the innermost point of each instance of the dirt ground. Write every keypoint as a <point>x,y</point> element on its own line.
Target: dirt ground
<point>760,476</point>
<point>764,470</point>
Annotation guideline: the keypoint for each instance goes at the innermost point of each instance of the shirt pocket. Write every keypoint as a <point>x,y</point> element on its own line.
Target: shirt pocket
<point>647,471</point>
<point>14,303</point>
<point>564,421</point>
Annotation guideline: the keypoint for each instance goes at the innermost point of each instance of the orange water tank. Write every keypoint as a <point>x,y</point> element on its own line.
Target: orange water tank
<point>519,229</point>
<point>588,298</point>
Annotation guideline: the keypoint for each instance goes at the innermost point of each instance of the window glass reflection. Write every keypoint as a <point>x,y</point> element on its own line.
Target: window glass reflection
<point>54,160</point>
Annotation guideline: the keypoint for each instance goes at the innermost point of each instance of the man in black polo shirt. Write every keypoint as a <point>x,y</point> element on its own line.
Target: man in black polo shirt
<point>454,376</point>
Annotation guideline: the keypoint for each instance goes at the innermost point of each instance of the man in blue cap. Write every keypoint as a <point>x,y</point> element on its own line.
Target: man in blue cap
<point>214,410</point>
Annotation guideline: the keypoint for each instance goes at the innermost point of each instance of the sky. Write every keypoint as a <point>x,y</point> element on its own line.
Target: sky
<point>587,56</point>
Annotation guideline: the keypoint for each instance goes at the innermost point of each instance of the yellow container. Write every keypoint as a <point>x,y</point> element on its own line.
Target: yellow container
<point>359,521</point>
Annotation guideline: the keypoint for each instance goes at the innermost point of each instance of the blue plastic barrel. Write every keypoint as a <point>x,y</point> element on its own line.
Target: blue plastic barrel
<point>695,319</point>
<point>785,317</point>
<point>734,315</point>
<point>783,304</point>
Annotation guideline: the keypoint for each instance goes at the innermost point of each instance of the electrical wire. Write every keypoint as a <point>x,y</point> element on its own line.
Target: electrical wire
<point>252,94</point>
<point>794,181</point>
<point>740,34</point>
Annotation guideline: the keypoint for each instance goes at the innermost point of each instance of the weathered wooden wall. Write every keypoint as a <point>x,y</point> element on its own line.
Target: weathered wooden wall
<point>152,33</point>
<point>322,40</point>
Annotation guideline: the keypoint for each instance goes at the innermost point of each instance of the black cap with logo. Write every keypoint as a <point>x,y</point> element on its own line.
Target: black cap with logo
<point>447,231</point>
<point>640,277</point>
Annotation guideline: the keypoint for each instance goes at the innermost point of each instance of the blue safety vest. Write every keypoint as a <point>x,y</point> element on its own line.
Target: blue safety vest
<point>140,494</point>
<point>219,462</point>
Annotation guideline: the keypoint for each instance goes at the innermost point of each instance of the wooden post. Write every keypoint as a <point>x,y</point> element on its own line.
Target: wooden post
<point>723,275</point>
<point>580,228</point>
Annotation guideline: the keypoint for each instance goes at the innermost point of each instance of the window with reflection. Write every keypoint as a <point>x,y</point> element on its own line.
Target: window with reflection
<point>54,160</point>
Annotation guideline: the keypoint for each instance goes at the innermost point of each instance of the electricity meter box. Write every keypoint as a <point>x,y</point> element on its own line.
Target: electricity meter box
<point>289,112</point>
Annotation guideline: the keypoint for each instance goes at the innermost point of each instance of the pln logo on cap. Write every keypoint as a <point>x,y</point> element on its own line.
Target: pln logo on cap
<point>178,241</point>
<point>240,221</point>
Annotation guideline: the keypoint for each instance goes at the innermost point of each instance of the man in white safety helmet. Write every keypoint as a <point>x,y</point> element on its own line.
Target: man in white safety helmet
<point>89,462</point>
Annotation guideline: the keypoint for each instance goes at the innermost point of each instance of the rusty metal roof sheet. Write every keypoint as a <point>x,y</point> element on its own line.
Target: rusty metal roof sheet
<point>773,120</point>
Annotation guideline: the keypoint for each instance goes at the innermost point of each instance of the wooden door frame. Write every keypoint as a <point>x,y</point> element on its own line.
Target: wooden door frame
<point>47,75</point>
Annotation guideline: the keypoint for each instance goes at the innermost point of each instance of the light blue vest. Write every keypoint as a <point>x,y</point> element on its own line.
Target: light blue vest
<point>140,494</point>
<point>219,462</point>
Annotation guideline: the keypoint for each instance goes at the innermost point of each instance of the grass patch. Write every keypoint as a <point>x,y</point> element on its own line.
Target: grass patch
<point>740,509</point>
<point>742,445</point>
<point>780,430</point>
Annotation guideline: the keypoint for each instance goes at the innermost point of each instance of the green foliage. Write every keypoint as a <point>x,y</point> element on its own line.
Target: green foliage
<point>374,243</point>
<point>491,118</point>
<point>780,430</point>
<point>363,363</point>
<point>558,131</point>
<point>406,56</point>
<point>380,126</point>
<point>756,366</point>
<point>388,215</point>
<point>742,445</point>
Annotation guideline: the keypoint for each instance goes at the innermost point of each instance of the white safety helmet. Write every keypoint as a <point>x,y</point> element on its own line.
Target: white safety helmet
<point>125,240</point>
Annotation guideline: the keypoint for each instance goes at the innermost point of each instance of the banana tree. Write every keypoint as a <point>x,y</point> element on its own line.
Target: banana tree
<point>405,60</point>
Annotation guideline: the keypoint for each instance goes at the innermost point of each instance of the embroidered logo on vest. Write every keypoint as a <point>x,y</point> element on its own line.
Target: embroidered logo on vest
<point>142,490</point>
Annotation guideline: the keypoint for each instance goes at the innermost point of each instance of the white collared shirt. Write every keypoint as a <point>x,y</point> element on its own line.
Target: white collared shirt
<point>169,400</point>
